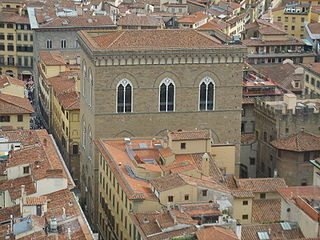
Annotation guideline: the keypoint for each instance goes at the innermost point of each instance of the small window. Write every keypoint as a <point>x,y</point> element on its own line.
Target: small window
<point>286,19</point>
<point>4,118</point>
<point>262,196</point>
<point>279,19</point>
<point>170,198</point>
<point>293,28</point>
<point>312,81</point>
<point>9,25</point>
<point>49,44</point>
<point>245,217</point>
<point>302,20</point>
<point>26,170</point>
<point>252,160</point>
<point>204,193</point>
<point>20,118</point>
<point>63,43</point>
<point>307,78</point>
<point>183,145</point>
<point>245,203</point>
<point>186,197</point>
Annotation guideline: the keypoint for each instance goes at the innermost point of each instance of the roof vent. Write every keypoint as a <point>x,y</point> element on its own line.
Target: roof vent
<point>145,220</point>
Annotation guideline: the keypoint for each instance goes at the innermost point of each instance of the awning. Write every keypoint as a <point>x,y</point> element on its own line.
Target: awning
<point>26,73</point>
<point>307,42</point>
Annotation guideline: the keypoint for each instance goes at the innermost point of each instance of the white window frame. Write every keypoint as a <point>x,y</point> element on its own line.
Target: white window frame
<point>207,81</point>
<point>84,74</point>
<point>124,82</point>
<point>91,86</point>
<point>167,81</point>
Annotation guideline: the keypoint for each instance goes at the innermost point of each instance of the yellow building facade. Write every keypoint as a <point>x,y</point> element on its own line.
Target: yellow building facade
<point>312,79</point>
<point>59,86</point>
<point>16,41</point>
<point>293,18</point>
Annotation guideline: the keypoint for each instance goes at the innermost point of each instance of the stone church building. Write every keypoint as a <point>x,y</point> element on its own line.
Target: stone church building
<point>146,82</point>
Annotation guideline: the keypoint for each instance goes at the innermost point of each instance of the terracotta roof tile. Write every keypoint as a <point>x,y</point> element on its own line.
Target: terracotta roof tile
<point>314,67</point>
<point>219,233</point>
<point>154,39</point>
<point>266,210</point>
<point>258,42</point>
<point>299,142</point>
<point>193,18</point>
<point>167,182</point>
<point>262,185</point>
<point>7,80</point>
<point>314,28</point>
<point>10,104</point>
<point>247,138</point>
<point>275,231</point>
<point>189,135</point>
<point>309,192</point>
<point>14,186</point>
<point>52,58</point>
<point>5,212</point>
<point>30,201</point>
<point>135,20</point>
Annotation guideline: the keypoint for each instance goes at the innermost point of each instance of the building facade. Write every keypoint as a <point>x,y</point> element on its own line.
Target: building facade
<point>165,83</point>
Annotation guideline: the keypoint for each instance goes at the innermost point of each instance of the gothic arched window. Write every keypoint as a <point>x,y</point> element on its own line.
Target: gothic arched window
<point>206,94</point>
<point>124,96</point>
<point>167,96</point>
<point>91,88</point>
<point>84,74</point>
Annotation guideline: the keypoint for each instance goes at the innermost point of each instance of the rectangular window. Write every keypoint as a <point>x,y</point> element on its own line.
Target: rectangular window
<point>10,37</point>
<point>279,19</point>
<point>262,196</point>
<point>183,145</point>
<point>170,198</point>
<point>286,19</point>
<point>4,118</point>
<point>204,193</point>
<point>244,203</point>
<point>19,61</point>
<point>301,28</point>
<point>20,118</point>
<point>252,161</point>
<point>307,78</point>
<point>26,170</point>
<point>31,37</point>
<point>9,25</point>
<point>1,36</point>
<point>10,47</point>
<point>293,19</point>
<point>293,28</point>
<point>1,47</point>
<point>75,149</point>
<point>186,197</point>
<point>25,37</point>
<point>245,217</point>
<point>312,81</point>
<point>285,27</point>
<point>1,25</point>
<point>302,20</point>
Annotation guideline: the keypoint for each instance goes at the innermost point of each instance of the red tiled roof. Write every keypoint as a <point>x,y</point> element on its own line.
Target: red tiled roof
<point>31,201</point>
<point>10,104</point>
<point>167,182</point>
<point>275,231</point>
<point>314,28</point>
<point>219,233</point>
<point>247,137</point>
<point>52,58</point>
<point>258,42</point>
<point>189,135</point>
<point>14,186</point>
<point>314,67</point>
<point>266,210</point>
<point>193,18</point>
<point>135,20</point>
<point>7,80</point>
<point>152,39</point>
<point>309,192</point>
<point>260,185</point>
<point>299,142</point>
<point>5,212</point>
<point>13,18</point>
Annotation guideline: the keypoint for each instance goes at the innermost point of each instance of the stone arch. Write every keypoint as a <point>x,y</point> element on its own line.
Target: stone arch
<point>124,133</point>
<point>126,75</point>
<point>205,74</point>
<point>164,75</point>
<point>214,135</point>
<point>162,132</point>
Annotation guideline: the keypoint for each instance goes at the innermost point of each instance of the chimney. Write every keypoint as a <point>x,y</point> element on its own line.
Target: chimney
<point>69,233</point>
<point>291,101</point>
<point>64,213</point>
<point>23,193</point>
<point>205,164</point>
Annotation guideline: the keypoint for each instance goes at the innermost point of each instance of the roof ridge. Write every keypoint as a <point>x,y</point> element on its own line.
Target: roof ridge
<point>12,103</point>
<point>113,42</point>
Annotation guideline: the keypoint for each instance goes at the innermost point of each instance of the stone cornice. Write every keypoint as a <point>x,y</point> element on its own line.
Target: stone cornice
<point>169,58</point>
